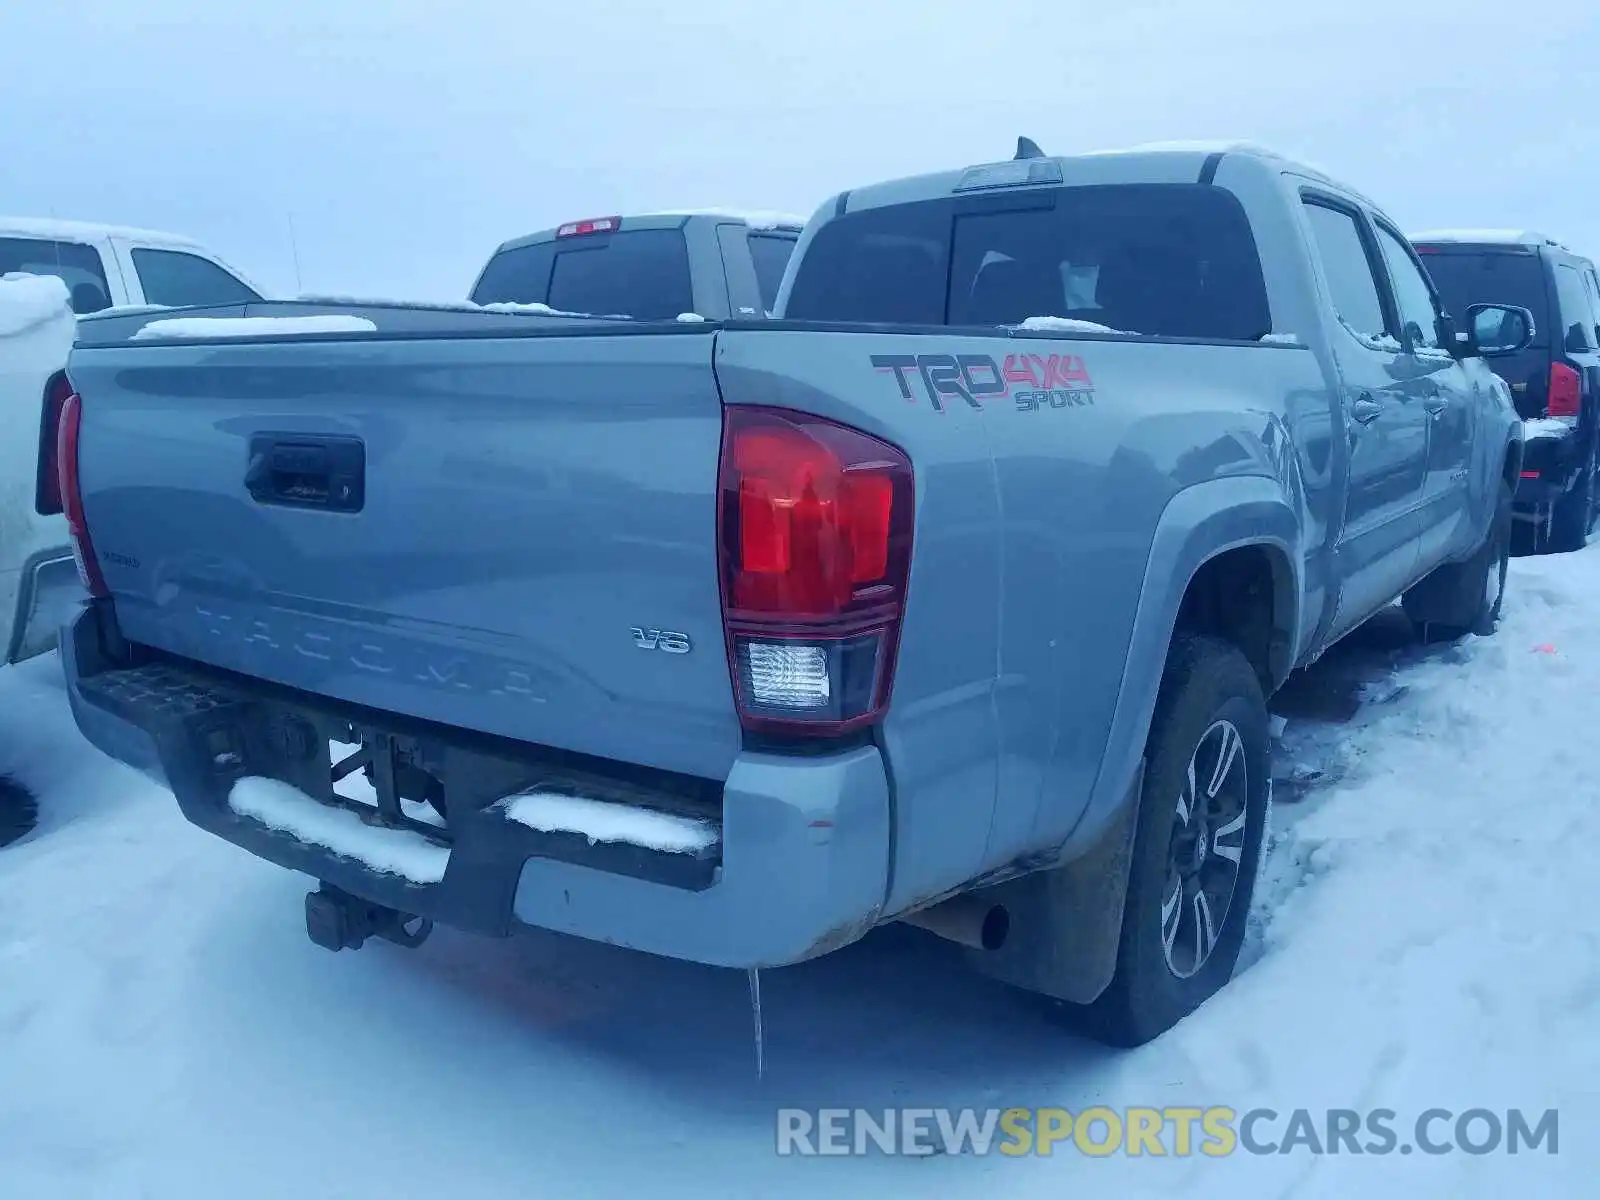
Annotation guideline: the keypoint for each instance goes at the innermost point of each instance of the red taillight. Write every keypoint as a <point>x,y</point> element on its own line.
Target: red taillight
<point>47,483</point>
<point>592,225</point>
<point>815,554</point>
<point>1566,392</point>
<point>72,496</point>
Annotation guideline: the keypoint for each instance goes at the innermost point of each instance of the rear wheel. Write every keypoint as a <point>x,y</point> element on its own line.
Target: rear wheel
<point>1465,597</point>
<point>1573,518</point>
<point>1197,847</point>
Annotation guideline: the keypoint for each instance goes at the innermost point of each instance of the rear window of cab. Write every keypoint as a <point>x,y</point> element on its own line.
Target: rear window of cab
<point>1171,260</point>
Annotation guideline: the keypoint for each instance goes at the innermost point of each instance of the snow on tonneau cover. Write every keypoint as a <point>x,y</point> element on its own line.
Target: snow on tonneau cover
<point>426,523</point>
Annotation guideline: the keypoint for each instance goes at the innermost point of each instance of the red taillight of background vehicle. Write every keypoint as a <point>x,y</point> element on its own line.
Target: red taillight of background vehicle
<point>591,225</point>
<point>1566,390</point>
<point>67,431</point>
<point>814,549</point>
<point>47,485</point>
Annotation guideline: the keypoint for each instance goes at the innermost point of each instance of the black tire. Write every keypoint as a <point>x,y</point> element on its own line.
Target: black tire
<point>18,811</point>
<point>1466,597</point>
<point>1573,517</point>
<point>1161,975</point>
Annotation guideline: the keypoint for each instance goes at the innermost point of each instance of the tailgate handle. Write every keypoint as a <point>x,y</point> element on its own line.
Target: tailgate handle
<point>305,471</point>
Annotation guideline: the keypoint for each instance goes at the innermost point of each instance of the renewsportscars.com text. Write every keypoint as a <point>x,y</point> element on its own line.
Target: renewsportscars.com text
<point>1214,1132</point>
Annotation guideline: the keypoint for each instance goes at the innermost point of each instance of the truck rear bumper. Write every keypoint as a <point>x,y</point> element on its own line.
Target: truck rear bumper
<point>1550,467</point>
<point>799,865</point>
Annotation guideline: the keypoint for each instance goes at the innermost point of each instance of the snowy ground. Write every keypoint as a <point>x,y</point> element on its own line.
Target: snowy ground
<point>1424,940</point>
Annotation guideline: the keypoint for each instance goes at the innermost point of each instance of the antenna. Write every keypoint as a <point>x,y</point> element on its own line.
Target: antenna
<point>1028,148</point>
<point>294,249</point>
<point>61,271</point>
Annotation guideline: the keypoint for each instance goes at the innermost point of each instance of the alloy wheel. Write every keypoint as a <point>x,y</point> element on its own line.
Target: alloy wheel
<point>1207,846</point>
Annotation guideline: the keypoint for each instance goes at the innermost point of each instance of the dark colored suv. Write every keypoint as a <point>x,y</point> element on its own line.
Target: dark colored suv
<point>1555,381</point>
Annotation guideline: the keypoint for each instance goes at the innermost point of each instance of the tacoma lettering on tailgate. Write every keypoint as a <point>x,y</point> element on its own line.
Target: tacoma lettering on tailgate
<point>373,652</point>
<point>1031,381</point>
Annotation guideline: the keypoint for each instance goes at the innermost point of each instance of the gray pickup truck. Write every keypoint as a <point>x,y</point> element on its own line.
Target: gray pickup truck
<point>716,264</point>
<point>952,595</point>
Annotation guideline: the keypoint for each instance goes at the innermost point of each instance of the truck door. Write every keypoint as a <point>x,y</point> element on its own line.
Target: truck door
<point>1385,427</point>
<point>1433,378</point>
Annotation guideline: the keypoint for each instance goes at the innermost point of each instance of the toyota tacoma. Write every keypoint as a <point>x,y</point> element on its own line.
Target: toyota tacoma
<point>951,595</point>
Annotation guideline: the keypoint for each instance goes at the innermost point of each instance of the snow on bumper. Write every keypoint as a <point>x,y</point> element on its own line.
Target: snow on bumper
<point>799,867</point>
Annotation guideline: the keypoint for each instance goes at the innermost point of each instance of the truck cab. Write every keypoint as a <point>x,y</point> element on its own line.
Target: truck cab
<point>108,266</point>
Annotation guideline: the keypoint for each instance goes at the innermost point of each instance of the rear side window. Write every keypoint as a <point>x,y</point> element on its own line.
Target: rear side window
<point>1464,277</point>
<point>1352,283</point>
<point>640,273</point>
<point>75,264</point>
<point>771,256</point>
<point>888,265</point>
<point>1593,286</point>
<point>180,280</point>
<point>520,275</point>
<point>1577,320</point>
<point>1173,260</point>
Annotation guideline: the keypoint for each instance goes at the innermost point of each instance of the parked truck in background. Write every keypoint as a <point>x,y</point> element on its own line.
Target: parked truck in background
<point>1554,380</point>
<point>953,594</point>
<point>715,264</point>
<point>108,266</point>
<point>49,271</point>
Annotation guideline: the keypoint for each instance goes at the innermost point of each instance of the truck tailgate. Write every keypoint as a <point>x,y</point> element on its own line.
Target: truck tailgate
<point>511,535</point>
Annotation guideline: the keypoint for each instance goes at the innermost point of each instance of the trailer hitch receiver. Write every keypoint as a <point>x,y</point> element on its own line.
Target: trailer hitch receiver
<point>336,920</point>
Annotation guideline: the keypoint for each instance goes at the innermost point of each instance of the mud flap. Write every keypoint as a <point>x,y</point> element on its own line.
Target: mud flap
<point>48,594</point>
<point>1066,922</point>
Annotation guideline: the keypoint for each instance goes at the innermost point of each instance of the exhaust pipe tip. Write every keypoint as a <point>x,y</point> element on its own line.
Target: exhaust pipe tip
<point>995,928</point>
<point>965,920</point>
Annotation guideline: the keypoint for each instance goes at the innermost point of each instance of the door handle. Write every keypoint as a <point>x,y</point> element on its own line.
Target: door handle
<point>1366,409</point>
<point>1435,405</point>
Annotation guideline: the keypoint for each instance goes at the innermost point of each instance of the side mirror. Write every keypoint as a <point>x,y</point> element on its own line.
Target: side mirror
<point>1496,330</point>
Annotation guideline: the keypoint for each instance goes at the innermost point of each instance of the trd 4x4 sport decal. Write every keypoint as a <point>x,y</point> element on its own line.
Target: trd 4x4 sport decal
<point>1031,381</point>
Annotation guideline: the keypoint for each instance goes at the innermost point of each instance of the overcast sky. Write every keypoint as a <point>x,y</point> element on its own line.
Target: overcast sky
<point>403,139</point>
